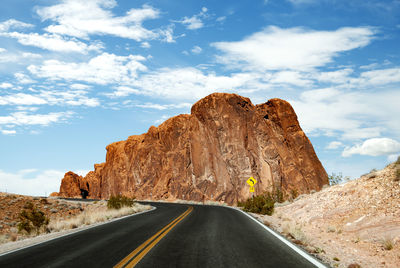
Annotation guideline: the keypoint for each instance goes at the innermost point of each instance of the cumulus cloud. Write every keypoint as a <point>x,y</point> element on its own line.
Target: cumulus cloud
<point>21,99</point>
<point>12,23</point>
<point>6,85</point>
<point>23,78</point>
<point>196,21</point>
<point>94,17</point>
<point>196,50</point>
<point>374,147</point>
<point>31,181</point>
<point>156,106</point>
<point>23,118</point>
<point>334,145</point>
<point>190,83</point>
<point>103,69</point>
<point>352,115</point>
<point>275,48</point>
<point>53,42</point>
<point>8,132</point>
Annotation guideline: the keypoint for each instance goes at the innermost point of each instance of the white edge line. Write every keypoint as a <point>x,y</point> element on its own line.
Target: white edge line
<point>77,231</point>
<point>281,238</point>
<point>288,243</point>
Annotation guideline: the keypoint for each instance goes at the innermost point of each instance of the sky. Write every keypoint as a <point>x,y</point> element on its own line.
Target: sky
<point>78,75</point>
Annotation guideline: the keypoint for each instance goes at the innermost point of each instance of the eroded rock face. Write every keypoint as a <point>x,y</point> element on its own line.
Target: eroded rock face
<point>209,155</point>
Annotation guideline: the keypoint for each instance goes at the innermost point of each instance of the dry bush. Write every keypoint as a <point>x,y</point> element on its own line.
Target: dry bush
<point>387,243</point>
<point>31,219</point>
<point>95,216</point>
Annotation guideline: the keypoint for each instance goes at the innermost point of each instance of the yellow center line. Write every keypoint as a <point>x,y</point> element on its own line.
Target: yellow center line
<point>167,228</point>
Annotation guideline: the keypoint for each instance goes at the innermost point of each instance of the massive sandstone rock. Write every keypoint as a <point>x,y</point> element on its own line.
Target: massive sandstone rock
<point>208,155</point>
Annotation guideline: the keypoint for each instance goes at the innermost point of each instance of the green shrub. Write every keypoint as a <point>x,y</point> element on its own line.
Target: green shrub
<point>397,176</point>
<point>31,219</point>
<point>335,179</point>
<point>294,193</point>
<point>119,201</point>
<point>263,204</point>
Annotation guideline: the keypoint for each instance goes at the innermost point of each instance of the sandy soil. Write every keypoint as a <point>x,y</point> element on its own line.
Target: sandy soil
<point>357,222</point>
<point>65,217</point>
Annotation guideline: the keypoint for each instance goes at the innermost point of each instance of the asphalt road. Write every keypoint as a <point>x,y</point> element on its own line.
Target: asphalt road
<point>201,236</point>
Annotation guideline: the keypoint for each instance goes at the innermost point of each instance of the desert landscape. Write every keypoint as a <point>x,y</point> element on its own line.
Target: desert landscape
<point>353,223</point>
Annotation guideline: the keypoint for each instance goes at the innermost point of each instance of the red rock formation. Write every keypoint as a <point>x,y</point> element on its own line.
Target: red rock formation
<point>209,155</point>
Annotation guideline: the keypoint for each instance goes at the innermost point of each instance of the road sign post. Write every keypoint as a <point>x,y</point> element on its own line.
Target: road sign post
<point>251,181</point>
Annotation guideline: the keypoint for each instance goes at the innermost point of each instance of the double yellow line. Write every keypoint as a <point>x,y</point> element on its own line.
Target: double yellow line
<point>135,256</point>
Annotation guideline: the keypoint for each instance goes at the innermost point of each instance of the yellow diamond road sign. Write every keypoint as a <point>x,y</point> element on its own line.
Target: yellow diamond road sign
<point>251,189</point>
<point>251,181</point>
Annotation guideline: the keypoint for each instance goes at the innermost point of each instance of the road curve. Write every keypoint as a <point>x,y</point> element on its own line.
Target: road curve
<point>173,235</point>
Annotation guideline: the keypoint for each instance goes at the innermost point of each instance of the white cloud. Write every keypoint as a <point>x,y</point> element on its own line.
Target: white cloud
<point>31,182</point>
<point>21,99</point>
<point>196,50</point>
<point>160,107</point>
<point>80,86</point>
<point>50,97</point>
<point>336,77</point>
<point>103,69</point>
<point>334,145</point>
<point>53,42</point>
<point>6,85</point>
<point>195,22</point>
<point>8,132</point>
<point>290,77</point>
<point>393,157</point>
<point>23,118</point>
<point>145,45</point>
<point>23,78</point>
<point>162,119</point>
<point>374,147</point>
<point>190,83</point>
<point>380,77</point>
<point>275,48</point>
<point>94,17</point>
<point>352,115</point>
<point>12,23</point>
<point>71,97</point>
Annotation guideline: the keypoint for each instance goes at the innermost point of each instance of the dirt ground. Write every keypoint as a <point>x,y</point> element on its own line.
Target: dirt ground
<point>357,222</point>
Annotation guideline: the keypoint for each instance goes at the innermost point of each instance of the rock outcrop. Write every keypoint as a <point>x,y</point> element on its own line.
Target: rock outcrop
<point>208,155</point>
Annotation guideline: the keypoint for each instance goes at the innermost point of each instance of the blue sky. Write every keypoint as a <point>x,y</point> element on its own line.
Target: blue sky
<point>78,75</point>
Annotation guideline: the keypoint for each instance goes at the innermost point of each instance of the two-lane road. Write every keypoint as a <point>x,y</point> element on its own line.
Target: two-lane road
<point>173,235</point>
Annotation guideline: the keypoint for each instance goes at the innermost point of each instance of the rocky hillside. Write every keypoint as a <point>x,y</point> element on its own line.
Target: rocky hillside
<point>208,155</point>
<point>357,222</point>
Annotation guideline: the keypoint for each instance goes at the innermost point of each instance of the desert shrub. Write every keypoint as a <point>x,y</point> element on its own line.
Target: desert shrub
<point>31,219</point>
<point>397,175</point>
<point>278,195</point>
<point>263,204</point>
<point>354,265</point>
<point>294,193</point>
<point>119,201</point>
<point>335,179</point>
<point>387,243</point>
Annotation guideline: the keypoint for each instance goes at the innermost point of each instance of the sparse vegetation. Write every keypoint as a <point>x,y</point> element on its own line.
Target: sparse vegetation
<point>397,176</point>
<point>31,219</point>
<point>335,179</point>
<point>263,204</point>
<point>387,243</point>
<point>91,217</point>
<point>354,265</point>
<point>294,193</point>
<point>119,201</point>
